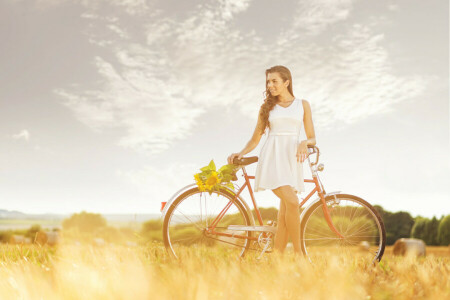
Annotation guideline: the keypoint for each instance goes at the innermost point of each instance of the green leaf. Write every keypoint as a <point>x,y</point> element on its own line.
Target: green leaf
<point>205,174</point>
<point>228,168</point>
<point>226,178</point>
<point>204,168</point>
<point>212,166</point>
<point>224,168</point>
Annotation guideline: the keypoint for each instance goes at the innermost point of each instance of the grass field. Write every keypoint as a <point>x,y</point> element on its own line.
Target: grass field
<point>118,272</point>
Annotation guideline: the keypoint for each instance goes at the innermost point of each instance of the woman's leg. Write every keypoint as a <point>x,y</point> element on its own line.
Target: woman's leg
<point>281,238</point>
<point>292,215</point>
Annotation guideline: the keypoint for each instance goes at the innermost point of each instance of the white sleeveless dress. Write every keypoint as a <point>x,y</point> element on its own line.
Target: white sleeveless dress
<point>277,162</point>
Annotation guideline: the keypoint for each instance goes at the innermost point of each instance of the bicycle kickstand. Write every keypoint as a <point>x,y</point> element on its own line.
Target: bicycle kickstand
<point>264,249</point>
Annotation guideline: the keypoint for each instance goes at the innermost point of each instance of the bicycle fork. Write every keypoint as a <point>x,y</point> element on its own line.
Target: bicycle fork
<point>326,213</point>
<point>321,192</point>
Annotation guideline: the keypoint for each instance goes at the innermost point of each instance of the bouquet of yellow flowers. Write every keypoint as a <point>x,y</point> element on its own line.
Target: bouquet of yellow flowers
<point>211,180</point>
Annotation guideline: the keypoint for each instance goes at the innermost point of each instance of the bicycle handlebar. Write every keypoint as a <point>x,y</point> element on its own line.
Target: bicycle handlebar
<point>315,149</point>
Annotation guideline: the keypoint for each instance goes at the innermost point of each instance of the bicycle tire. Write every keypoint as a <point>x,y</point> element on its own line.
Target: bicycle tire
<point>192,239</point>
<point>316,235</point>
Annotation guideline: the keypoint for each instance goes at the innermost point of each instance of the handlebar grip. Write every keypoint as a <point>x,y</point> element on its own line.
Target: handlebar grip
<point>245,160</point>
<point>315,149</point>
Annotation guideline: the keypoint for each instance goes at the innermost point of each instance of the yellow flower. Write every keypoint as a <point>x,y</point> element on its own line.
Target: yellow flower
<point>212,180</point>
<point>215,178</point>
<point>197,178</point>
<point>199,182</point>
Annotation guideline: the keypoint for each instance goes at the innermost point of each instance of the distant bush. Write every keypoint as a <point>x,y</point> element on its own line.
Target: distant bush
<point>270,213</point>
<point>5,236</point>
<point>31,232</point>
<point>152,230</point>
<point>84,222</point>
<point>152,225</point>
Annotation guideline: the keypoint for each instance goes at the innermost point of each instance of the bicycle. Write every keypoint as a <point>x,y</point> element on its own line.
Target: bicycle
<point>337,222</point>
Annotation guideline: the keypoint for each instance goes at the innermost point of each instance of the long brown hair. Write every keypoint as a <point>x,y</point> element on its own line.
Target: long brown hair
<point>270,101</point>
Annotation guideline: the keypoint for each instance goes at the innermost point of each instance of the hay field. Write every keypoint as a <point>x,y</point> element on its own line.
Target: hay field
<point>145,272</point>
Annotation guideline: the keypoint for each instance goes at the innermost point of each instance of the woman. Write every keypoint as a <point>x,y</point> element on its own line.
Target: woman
<point>280,161</point>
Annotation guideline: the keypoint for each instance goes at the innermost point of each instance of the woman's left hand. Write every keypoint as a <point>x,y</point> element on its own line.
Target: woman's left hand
<point>302,151</point>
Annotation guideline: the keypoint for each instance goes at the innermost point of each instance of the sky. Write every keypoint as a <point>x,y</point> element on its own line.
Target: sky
<point>112,106</point>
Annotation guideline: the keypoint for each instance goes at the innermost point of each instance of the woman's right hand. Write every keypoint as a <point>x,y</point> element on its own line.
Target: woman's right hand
<point>232,156</point>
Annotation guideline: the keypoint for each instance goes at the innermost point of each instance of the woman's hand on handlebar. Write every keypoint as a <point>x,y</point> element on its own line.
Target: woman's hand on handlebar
<point>232,156</point>
<point>302,151</point>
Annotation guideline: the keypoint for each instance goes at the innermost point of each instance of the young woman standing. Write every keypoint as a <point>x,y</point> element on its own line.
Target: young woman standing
<point>280,163</point>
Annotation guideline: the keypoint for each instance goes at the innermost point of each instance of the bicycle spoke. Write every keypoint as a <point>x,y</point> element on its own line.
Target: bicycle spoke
<point>192,213</point>
<point>361,229</point>
<point>353,220</point>
<point>190,220</point>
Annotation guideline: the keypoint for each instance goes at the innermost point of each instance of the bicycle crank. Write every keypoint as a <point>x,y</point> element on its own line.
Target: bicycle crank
<point>265,238</point>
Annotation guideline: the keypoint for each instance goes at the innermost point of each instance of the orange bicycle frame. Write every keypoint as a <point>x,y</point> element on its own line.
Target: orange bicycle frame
<point>258,214</point>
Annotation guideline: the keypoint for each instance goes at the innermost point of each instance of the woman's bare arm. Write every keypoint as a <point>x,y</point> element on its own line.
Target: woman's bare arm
<point>256,137</point>
<point>308,123</point>
<point>252,143</point>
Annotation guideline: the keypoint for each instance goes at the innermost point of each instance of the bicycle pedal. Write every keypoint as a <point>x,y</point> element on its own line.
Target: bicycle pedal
<point>253,228</point>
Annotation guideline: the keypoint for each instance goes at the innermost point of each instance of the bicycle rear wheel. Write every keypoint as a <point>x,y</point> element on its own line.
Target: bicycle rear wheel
<point>189,221</point>
<point>360,224</point>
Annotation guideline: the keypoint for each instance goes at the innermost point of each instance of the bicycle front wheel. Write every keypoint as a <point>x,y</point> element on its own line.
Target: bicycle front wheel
<point>199,221</point>
<point>358,222</point>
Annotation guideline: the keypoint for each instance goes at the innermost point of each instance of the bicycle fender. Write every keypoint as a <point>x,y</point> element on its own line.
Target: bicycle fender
<point>174,196</point>
<point>315,201</point>
<point>185,188</point>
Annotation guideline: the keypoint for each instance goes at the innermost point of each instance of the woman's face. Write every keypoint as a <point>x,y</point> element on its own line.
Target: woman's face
<point>275,84</point>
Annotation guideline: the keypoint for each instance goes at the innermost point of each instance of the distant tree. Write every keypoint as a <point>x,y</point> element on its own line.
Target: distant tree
<point>431,232</point>
<point>380,209</point>
<point>397,225</point>
<point>444,231</point>
<point>84,222</point>
<point>418,230</point>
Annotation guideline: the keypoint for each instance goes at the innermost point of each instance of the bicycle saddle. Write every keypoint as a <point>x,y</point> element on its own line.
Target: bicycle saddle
<point>245,161</point>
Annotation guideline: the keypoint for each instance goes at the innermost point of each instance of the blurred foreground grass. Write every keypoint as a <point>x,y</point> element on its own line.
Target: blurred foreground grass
<point>119,272</point>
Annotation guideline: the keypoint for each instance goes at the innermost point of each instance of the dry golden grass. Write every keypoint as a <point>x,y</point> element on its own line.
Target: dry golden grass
<point>118,272</point>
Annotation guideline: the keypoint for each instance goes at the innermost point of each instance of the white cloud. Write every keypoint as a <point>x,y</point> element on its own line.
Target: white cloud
<point>313,17</point>
<point>230,7</point>
<point>120,32</point>
<point>22,135</point>
<point>158,88</point>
